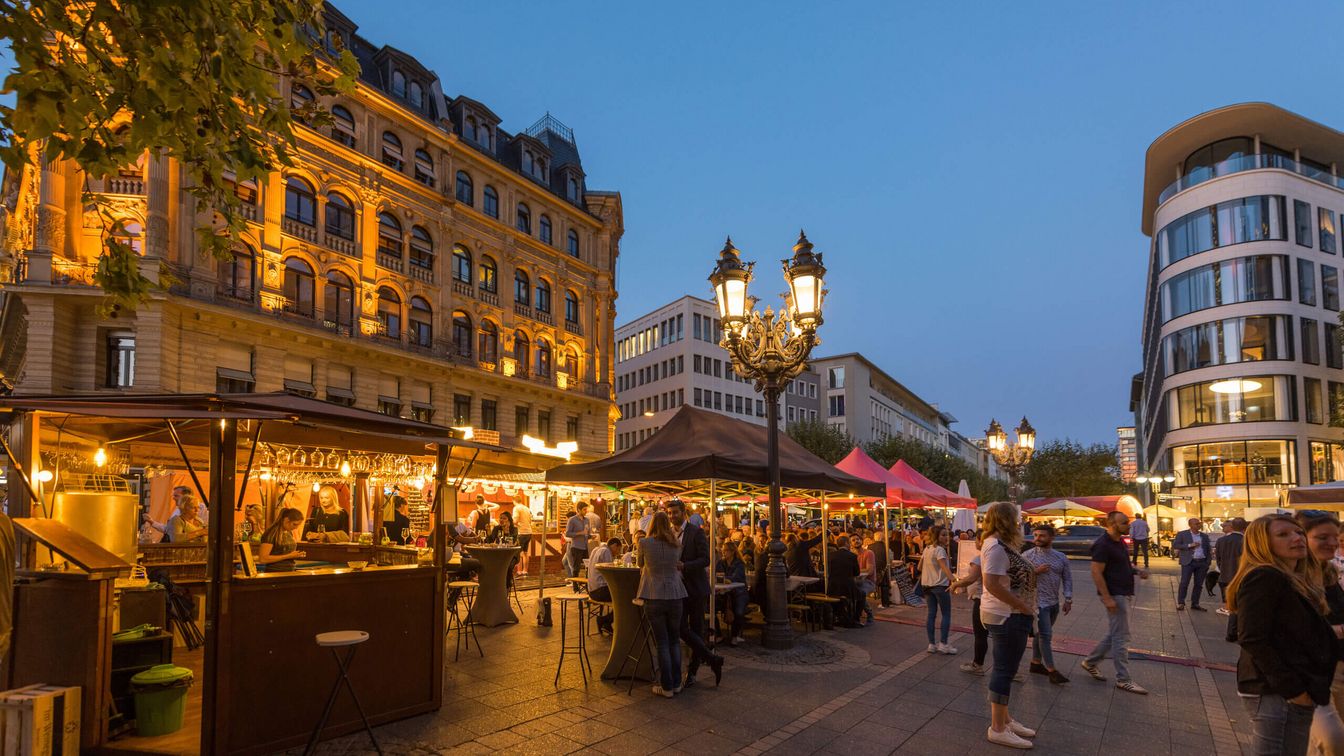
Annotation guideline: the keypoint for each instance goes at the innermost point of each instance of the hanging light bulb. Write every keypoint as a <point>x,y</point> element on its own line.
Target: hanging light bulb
<point>44,476</point>
<point>316,486</point>
<point>100,457</point>
<point>345,468</point>
<point>266,475</point>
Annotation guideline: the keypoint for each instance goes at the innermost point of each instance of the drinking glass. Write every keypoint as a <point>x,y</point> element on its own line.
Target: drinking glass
<point>405,535</point>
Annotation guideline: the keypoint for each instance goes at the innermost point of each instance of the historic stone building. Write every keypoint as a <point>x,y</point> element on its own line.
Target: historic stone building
<point>419,260</point>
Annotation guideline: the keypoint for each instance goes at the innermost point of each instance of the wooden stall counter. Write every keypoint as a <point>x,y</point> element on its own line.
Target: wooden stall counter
<point>340,553</point>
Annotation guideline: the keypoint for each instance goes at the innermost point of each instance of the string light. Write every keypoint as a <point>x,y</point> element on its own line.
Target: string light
<point>100,457</point>
<point>44,476</point>
<point>345,468</point>
<point>316,486</point>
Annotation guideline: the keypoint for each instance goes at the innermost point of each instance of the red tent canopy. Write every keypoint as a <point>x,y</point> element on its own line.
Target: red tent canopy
<point>1124,502</point>
<point>860,465</point>
<point>940,496</point>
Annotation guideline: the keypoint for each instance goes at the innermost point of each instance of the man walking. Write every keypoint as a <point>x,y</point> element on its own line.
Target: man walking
<point>1113,575</point>
<point>694,573</point>
<point>1227,555</point>
<point>1138,530</point>
<point>1194,550</point>
<point>1053,578</point>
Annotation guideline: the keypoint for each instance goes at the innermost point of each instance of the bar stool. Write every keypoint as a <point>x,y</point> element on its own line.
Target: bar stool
<point>334,640</point>
<point>580,647</point>
<point>464,626</point>
<point>640,638</point>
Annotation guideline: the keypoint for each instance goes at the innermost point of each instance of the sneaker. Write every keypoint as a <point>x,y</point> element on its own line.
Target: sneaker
<point>1131,687</point>
<point>1092,670</point>
<point>971,668</point>
<point>1019,677</point>
<point>1057,677</point>
<point>1020,729</point>
<point>1008,738</point>
<point>1198,609</point>
<point>659,691</point>
<point>933,648</point>
<point>1180,607</point>
<point>1039,669</point>
<point>1223,611</point>
<point>944,648</point>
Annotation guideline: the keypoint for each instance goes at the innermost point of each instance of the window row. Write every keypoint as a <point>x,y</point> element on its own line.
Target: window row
<point>1248,219</point>
<point>659,334</point>
<point>802,388</point>
<point>650,404</point>
<point>528,359</point>
<point>799,414</point>
<point>631,439</point>
<point>705,328</point>
<point>527,419</point>
<point>1319,226</point>
<point>1228,341</point>
<point>1244,279</point>
<point>1234,463</point>
<point>487,280</point>
<point>1259,398</point>
<point>1327,462</point>
<point>464,191</point>
<point>650,373</point>
<point>734,404</point>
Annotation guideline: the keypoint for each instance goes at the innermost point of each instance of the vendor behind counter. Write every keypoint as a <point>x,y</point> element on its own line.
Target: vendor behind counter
<point>327,516</point>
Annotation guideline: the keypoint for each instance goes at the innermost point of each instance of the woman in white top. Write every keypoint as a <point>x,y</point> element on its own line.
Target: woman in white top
<point>936,576</point>
<point>1007,607</point>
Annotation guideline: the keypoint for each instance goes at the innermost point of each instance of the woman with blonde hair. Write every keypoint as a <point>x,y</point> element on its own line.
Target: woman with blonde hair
<point>1007,607</point>
<point>1322,533</point>
<point>1288,649</point>
<point>327,516</point>
<point>661,588</point>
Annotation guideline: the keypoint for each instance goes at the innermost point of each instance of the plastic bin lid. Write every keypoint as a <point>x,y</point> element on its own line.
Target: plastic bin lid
<point>161,674</point>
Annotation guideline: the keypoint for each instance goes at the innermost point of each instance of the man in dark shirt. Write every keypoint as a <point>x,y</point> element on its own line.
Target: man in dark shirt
<point>880,561</point>
<point>843,570</point>
<point>1227,555</point>
<point>798,559</point>
<point>1113,576</point>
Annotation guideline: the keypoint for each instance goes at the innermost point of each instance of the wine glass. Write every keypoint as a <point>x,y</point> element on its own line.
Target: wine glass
<point>405,535</point>
<point>321,532</point>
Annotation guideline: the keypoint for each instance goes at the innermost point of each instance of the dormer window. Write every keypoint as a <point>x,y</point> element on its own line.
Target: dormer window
<point>572,189</point>
<point>529,163</point>
<point>424,168</point>
<point>541,170</point>
<point>484,136</point>
<point>469,129</point>
<point>392,155</point>
<point>399,84</point>
<point>417,95</point>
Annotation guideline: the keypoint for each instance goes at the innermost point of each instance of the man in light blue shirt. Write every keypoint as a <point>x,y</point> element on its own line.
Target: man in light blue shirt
<point>1053,577</point>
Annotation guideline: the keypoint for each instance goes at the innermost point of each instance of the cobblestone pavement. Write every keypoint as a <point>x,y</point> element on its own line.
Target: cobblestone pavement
<point>864,691</point>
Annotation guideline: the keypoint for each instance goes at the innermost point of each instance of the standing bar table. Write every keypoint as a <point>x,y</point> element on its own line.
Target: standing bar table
<point>624,585</point>
<point>492,599</point>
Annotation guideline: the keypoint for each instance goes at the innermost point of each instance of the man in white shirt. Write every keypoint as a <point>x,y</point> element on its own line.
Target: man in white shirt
<point>598,590</point>
<point>1193,549</point>
<point>646,520</point>
<point>594,524</point>
<point>1138,530</point>
<point>522,517</point>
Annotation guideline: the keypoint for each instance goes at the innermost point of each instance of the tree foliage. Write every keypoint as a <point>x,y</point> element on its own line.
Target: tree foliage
<point>938,465</point>
<point>1068,468</point>
<point>827,441</point>
<point>101,82</point>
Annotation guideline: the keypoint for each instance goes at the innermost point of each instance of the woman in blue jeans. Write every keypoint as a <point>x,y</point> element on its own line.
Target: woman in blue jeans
<point>1007,607</point>
<point>935,576</point>
<point>661,589</point>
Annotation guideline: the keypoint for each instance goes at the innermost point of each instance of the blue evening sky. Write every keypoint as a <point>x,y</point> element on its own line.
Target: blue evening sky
<point>972,171</point>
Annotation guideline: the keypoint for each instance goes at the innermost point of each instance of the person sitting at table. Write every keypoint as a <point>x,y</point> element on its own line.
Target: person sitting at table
<point>400,522</point>
<point>327,516</point>
<point>460,535</point>
<point>278,547</point>
<point>733,570</point>
<point>505,529</point>
<point>799,555</point>
<point>186,526</point>
<point>598,590</point>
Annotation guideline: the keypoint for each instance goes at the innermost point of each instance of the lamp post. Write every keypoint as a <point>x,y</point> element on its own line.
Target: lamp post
<point>1012,458</point>
<point>771,349</point>
<point>1154,481</point>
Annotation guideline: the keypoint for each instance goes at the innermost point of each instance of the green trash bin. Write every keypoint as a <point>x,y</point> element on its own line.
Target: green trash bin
<point>160,698</point>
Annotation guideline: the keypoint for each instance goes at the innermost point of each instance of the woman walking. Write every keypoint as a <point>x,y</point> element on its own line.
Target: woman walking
<point>1288,648</point>
<point>936,576</point>
<point>661,588</point>
<point>1007,607</point>
<point>1322,532</point>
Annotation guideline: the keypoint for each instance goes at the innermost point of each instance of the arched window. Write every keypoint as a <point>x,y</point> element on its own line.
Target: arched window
<point>298,288</point>
<point>522,288</point>
<point>572,362</point>
<point>543,358</point>
<point>389,235</point>
<point>422,249</point>
<point>544,227</point>
<point>469,129</point>
<point>483,136</point>
<point>462,334</point>
<point>416,95</point>
<point>420,329</point>
<point>571,307</point>
<point>573,243</point>
<point>236,274</point>
<point>338,305</point>
<point>491,202</point>
<point>522,352</point>
<point>489,342</point>
<point>300,201</point>
<point>129,233</point>
<point>541,169</point>
<point>389,312</point>
<point>524,221</point>
<point>572,189</point>
<point>543,302</point>
<point>489,275</point>
<point>462,264</point>
<point>399,84</point>
<point>340,216</point>
<point>465,194</point>
<point>342,126</point>
<point>245,191</point>
<point>392,155</point>
<point>424,168</point>
<point>300,98</point>
<point>529,163</point>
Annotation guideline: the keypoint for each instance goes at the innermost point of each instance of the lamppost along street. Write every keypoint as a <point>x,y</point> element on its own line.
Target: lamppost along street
<point>771,349</point>
<point>1155,480</point>
<point>1012,459</point>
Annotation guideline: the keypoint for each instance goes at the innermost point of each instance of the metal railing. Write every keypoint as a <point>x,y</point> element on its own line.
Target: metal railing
<point>1248,163</point>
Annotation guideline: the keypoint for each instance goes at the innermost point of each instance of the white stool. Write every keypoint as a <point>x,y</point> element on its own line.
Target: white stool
<point>335,640</point>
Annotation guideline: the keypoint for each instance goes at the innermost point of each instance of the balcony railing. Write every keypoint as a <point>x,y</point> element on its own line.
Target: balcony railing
<point>1248,163</point>
<point>574,327</point>
<point>340,244</point>
<point>124,185</point>
<point>541,316</point>
<point>390,261</point>
<point>248,211</point>
<point>461,287</point>
<point>421,273</point>
<point>301,230</point>
<point>521,309</point>
<point>489,297</point>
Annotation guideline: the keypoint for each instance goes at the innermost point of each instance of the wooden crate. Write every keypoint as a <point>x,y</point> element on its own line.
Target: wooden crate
<point>40,720</point>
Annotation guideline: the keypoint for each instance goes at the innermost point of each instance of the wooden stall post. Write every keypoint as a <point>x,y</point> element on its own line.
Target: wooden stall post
<point>219,573</point>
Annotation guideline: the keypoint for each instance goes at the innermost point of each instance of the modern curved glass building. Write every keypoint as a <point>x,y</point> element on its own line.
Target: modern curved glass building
<point>1242,369</point>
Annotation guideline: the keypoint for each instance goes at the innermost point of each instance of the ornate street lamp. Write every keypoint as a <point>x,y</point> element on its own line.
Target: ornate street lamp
<point>1155,481</point>
<point>771,349</point>
<point>1014,458</point>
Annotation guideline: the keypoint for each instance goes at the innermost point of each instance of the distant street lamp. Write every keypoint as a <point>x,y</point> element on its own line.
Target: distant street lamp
<point>1155,481</point>
<point>771,349</point>
<point>1013,459</point>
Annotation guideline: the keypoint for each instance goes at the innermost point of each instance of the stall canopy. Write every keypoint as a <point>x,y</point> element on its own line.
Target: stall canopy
<point>860,465</point>
<point>698,445</point>
<point>1061,508</point>
<point>940,496</point>
<point>1319,495</point>
<point>1104,504</point>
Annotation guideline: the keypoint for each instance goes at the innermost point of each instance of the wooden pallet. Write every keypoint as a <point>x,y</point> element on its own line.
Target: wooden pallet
<point>40,720</point>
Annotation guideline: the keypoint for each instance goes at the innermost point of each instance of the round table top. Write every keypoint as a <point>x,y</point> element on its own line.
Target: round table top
<point>629,567</point>
<point>342,638</point>
<point>491,548</point>
<point>728,586</point>
<point>570,596</point>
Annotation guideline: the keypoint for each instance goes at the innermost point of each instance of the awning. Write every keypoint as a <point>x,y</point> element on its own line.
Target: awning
<point>860,465</point>
<point>1122,503</point>
<point>939,496</point>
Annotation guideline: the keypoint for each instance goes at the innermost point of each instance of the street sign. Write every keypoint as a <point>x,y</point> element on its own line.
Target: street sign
<point>1173,497</point>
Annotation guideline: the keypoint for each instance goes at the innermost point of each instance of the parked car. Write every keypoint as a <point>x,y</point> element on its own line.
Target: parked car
<point>1077,540</point>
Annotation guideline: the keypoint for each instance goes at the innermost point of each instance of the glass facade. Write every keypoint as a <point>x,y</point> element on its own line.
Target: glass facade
<point>1237,221</point>
<point>1244,279</point>
<point>1222,479</point>
<point>1232,340</point>
<point>1250,399</point>
<point>1327,462</point>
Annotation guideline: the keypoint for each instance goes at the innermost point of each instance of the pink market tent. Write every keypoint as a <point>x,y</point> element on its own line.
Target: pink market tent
<point>940,496</point>
<point>1124,503</point>
<point>860,465</point>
